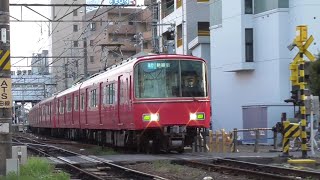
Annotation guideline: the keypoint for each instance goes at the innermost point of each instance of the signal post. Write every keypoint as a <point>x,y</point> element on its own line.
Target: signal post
<point>299,91</point>
<point>5,88</point>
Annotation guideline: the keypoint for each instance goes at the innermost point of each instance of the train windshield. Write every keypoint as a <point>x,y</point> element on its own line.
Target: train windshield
<point>170,78</point>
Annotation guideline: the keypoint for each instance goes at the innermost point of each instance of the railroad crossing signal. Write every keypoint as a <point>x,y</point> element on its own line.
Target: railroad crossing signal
<point>302,42</point>
<point>299,91</point>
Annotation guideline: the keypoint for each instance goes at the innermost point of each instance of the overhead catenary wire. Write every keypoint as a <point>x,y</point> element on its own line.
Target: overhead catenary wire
<point>87,26</point>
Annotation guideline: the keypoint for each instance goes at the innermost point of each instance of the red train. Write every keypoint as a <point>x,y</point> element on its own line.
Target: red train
<point>151,102</point>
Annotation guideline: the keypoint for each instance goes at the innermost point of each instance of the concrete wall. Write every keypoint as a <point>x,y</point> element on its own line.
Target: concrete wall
<point>190,13</point>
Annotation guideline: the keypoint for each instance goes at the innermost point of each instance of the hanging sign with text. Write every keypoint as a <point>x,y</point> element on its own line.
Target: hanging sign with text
<point>5,93</point>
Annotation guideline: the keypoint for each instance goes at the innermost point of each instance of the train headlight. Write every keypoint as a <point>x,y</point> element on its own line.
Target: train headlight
<point>197,116</point>
<point>150,117</point>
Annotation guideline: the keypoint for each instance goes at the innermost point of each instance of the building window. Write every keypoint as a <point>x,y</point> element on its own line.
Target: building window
<point>75,12</point>
<point>203,29</point>
<point>75,28</point>
<point>167,7</point>
<point>91,42</point>
<point>249,44</point>
<point>248,7</point>
<point>92,59</point>
<point>267,5</point>
<point>93,26</point>
<point>75,44</point>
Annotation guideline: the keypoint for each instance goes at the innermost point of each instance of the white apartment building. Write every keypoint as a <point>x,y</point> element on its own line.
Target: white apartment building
<point>181,21</point>
<point>66,42</point>
<point>250,59</point>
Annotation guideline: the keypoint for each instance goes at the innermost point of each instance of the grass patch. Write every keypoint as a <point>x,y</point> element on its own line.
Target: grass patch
<point>101,151</point>
<point>37,169</point>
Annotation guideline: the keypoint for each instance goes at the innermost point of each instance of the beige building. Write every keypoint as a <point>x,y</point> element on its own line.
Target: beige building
<point>117,35</point>
<point>66,42</point>
<point>86,43</point>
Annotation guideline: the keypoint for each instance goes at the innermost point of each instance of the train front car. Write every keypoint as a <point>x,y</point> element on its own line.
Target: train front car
<point>171,100</point>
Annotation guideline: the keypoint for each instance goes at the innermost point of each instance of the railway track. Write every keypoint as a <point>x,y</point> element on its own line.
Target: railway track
<point>94,169</point>
<point>251,170</point>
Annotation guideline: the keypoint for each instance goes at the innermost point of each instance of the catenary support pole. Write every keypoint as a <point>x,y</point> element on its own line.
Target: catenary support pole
<point>5,83</point>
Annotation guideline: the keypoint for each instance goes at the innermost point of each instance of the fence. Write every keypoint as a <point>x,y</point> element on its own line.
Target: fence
<point>222,141</point>
<point>254,132</point>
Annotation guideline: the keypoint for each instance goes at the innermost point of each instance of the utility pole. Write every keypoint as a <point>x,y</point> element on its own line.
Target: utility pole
<point>154,28</point>
<point>85,54</point>
<point>65,73</point>
<point>5,83</point>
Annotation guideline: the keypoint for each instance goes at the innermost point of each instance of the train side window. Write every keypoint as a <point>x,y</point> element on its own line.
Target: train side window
<point>76,103</point>
<point>82,101</point>
<point>93,98</point>
<point>57,109</point>
<point>105,94</point>
<point>43,111</point>
<point>61,108</point>
<point>68,103</point>
<point>112,94</point>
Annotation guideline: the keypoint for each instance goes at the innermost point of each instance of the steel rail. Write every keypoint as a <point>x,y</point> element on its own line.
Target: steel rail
<point>83,172</point>
<point>245,172</point>
<point>133,172</point>
<point>270,168</point>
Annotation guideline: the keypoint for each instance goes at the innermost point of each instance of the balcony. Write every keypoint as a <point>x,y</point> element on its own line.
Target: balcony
<point>179,3</point>
<point>167,11</point>
<point>203,33</point>
<point>123,29</point>
<point>179,42</point>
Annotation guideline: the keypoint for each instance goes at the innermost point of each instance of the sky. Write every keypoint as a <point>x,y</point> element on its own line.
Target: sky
<point>27,38</point>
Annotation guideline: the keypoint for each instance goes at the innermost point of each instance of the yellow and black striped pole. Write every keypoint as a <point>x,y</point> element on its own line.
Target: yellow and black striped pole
<point>303,116</point>
<point>298,81</point>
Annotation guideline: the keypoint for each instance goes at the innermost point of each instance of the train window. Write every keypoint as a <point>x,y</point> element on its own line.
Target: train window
<point>106,94</point>
<point>170,78</point>
<point>76,103</point>
<point>112,94</point>
<point>47,110</point>
<point>93,98</point>
<point>68,104</point>
<point>61,107</point>
<point>82,101</point>
<point>57,108</point>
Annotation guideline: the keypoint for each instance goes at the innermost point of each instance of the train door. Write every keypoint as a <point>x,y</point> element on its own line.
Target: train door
<point>119,101</point>
<point>82,109</point>
<point>50,118</point>
<point>54,112</point>
<point>72,109</point>
<point>100,96</point>
<point>86,107</point>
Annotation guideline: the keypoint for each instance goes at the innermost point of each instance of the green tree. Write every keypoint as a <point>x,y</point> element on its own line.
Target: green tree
<point>314,77</point>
